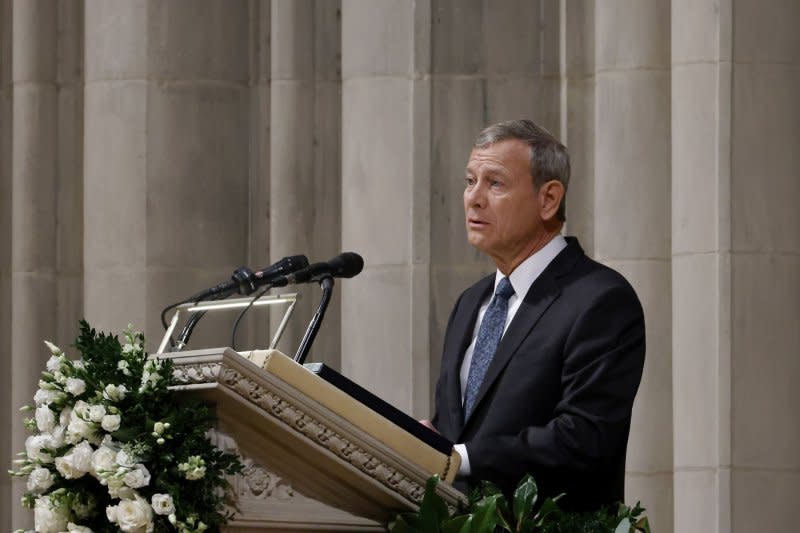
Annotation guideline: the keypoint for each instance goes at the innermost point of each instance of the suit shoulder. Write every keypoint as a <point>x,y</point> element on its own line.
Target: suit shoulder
<point>591,277</point>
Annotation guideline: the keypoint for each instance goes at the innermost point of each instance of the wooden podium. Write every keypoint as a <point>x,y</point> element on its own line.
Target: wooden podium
<point>352,474</point>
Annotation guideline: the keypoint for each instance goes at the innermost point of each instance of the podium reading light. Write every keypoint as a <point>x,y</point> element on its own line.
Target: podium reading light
<point>238,303</point>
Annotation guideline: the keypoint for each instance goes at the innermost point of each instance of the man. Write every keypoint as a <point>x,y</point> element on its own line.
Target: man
<point>542,359</point>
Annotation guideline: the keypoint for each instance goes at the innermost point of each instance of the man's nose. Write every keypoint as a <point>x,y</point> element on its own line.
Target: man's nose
<point>476,195</point>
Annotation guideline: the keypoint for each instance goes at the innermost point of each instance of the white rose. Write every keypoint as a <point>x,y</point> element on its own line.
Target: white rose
<point>33,447</point>
<point>76,386</point>
<point>40,480</point>
<point>55,439</point>
<point>76,462</point>
<point>103,459</point>
<point>79,364</point>
<point>81,409</point>
<point>96,413</point>
<point>48,518</point>
<point>65,416</point>
<point>78,429</point>
<point>118,489</point>
<point>133,516</point>
<point>45,418</point>
<point>125,459</point>
<point>114,393</point>
<point>137,478</point>
<point>54,363</point>
<point>111,422</point>
<point>162,504</point>
<point>82,456</point>
<point>44,396</point>
<point>75,528</point>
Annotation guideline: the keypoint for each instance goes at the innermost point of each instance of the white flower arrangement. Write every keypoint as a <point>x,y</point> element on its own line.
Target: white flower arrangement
<point>111,449</point>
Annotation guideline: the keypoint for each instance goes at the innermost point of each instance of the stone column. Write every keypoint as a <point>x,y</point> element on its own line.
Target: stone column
<point>166,158</point>
<point>305,186</point>
<point>736,265</point>
<point>701,240</point>
<point>765,265</point>
<point>7,416</point>
<point>69,172</point>
<point>386,200</point>
<point>578,114</point>
<point>632,217</point>
<point>33,208</point>
<point>479,76</point>
<point>255,331</point>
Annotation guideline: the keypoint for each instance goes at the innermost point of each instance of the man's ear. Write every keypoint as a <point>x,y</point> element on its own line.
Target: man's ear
<point>551,194</point>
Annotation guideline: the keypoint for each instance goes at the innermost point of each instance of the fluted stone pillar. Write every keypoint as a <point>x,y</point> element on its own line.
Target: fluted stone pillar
<point>479,76</point>
<point>736,265</point>
<point>7,416</point>
<point>33,208</point>
<point>386,198</point>
<point>578,115</point>
<point>765,265</point>
<point>305,146</point>
<point>701,264</point>
<point>632,217</point>
<point>69,171</point>
<point>256,329</point>
<point>166,158</point>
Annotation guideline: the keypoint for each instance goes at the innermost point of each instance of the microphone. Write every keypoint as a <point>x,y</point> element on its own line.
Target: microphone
<point>245,281</point>
<point>345,265</point>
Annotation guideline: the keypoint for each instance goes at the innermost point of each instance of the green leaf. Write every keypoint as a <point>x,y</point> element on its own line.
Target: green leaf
<point>548,507</point>
<point>643,524</point>
<point>433,510</point>
<point>458,524</point>
<point>524,498</point>
<point>484,519</point>
<point>399,525</point>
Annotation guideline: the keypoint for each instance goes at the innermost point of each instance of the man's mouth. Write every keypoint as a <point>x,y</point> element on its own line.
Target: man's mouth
<point>476,223</point>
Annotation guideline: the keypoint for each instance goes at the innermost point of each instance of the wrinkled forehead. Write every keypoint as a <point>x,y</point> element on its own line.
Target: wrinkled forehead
<point>503,156</point>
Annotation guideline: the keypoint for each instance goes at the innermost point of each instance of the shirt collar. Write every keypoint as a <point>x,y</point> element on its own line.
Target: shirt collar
<point>526,273</point>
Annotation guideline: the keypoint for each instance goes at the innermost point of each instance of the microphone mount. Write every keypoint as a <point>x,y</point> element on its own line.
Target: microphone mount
<point>326,283</point>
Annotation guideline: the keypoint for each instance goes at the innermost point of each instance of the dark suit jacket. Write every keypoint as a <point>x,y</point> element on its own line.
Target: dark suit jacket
<point>556,400</point>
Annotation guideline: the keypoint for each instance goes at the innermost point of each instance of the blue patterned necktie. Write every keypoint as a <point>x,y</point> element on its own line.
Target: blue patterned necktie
<point>489,334</point>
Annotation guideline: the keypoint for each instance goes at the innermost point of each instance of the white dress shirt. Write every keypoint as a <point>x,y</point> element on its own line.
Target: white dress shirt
<point>521,280</point>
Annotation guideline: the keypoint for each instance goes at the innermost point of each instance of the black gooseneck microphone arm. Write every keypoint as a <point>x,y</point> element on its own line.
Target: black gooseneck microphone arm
<point>316,321</point>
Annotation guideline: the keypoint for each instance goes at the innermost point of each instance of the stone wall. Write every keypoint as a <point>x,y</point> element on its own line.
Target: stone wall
<point>149,147</point>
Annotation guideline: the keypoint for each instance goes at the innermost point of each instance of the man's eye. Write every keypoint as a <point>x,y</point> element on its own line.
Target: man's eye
<point>495,183</point>
<point>469,181</point>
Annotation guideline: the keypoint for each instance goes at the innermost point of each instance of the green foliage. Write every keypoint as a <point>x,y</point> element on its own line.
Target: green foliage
<point>488,511</point>
<point>116,400</point>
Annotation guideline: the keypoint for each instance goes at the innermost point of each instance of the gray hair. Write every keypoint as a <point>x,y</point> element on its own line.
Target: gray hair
<point>549,158</point>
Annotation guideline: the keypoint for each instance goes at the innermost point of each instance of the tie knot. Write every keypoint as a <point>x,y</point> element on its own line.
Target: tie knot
<point>504,289</point>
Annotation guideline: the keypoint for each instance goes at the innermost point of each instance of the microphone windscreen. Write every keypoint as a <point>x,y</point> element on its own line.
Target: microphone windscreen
<point>347,265</point>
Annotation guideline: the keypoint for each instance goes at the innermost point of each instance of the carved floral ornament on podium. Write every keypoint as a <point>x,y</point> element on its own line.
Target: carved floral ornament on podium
<point>113,449</point>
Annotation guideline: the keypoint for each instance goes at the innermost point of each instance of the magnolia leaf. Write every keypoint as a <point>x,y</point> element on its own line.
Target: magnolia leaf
<point>525,498</point>
<point>399,525</point>
<point>484,518</point>
<point>432,510</point>
<point>643,524</point>
<point>548,507</point>
<point>459,524</point>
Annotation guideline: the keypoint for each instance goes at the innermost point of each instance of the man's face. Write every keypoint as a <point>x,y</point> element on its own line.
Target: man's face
<point>501,203</point>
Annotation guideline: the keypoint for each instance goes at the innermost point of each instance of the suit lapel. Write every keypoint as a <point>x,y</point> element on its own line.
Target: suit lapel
<point>463,326</point>
<point>544,291</point>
